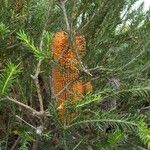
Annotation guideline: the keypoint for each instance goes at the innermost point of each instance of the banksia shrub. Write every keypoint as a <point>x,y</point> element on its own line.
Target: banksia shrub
<point>67,87</point>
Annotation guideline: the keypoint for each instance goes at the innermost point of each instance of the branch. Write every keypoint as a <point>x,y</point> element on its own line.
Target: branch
<point>15,144</point>
<point>36,81</point>
<point>38,68</point>
<point>62,3</point>
<point>26,122</point>
<point>24,105</point>
<point>37,113</point>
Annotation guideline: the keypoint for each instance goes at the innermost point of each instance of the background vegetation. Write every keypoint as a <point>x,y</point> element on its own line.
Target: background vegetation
<point>115,115</point>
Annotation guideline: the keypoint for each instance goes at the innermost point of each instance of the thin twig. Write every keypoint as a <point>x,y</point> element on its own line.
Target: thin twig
<point>35,145</point>
<point>15,144</point>
<point>36,80</point>
<point>101,68</point>
<point>23,105</point>
<point>62,3</point>
<point>26,122</point>
<point>35,112</point>
<point>12,46</point>
<point>143,108</point>
<point>78,144</point>
<point>132,61</point>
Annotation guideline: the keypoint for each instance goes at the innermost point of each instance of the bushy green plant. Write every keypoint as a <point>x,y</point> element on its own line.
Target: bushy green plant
<point>115,115</point>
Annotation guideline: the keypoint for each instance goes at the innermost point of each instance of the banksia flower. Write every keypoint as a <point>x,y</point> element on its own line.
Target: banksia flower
<point>69,59</point>
<point>59,44</point>
<point>66,85</point>
<point>58,85</point>
<point>81,44</point>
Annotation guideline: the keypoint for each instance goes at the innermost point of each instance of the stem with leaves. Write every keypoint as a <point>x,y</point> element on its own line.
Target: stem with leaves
<point>38,68</point>
<point>71,37</point>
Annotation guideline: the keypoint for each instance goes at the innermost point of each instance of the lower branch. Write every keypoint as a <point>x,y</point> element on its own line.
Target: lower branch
<point>36,80</point>
<point>27,107</point>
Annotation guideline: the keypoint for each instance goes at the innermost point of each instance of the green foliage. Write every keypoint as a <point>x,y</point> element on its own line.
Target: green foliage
<point>144,133</point>
<point>8,77</point>
<point>26,138</point>
<point>111,140</point>
<point>115,138</point>
<point>122,122</point>
<point>40,54</point>
<point>47,40</point>
<point>117,44</point>
<point>88,99</point>
<point>3,30</point>
<point>27,41</point>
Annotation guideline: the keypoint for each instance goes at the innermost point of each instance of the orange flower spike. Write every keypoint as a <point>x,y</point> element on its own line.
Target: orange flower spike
<point>81,44</point>
<point>66,57</point>
<point>59,44</point>
<point>71,60</point>
<point>58,85</point>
